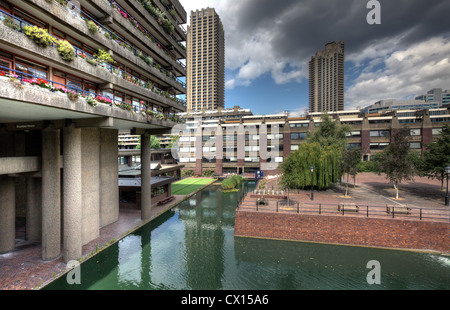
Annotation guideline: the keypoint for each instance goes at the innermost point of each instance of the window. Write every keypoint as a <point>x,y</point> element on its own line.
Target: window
<point>294,147</point>
<point>437,131</point>
<point>414,132</point>
<point>378,146</point>
<point>298,135</point>
<point>414,145</point>
<point>29,67</point>
<point>379,133</point>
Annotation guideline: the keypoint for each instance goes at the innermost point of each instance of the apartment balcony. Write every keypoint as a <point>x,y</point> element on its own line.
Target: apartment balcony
<point>126,39</point>
<point>107,75</point>
<point>27,99</point>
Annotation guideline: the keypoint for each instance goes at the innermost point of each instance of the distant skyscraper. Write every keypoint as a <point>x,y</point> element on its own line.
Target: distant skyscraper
<point>205,61</point>
<point>326,79</point>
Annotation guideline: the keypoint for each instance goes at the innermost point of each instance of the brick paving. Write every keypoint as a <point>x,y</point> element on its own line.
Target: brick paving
<point>423,196</point>
<point>23,269</point>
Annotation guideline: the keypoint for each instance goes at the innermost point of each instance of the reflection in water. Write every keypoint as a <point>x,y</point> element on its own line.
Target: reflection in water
<point>193,247</point>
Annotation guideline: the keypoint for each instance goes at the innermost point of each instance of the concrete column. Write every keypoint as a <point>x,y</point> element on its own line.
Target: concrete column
<point>146,187</point>
<point>7,214</point>
<point>51,194</point>
<point>72,198</point>
<point>33,212</point>
<point>109,177</point>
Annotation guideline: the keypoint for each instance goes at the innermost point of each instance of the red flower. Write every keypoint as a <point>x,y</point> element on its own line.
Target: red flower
<point>2,73</point>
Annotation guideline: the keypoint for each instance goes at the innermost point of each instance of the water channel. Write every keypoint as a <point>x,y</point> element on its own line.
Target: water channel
<point>193,246</point>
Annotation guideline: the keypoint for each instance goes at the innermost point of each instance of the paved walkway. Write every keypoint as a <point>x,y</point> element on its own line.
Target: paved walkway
<point>23,269</point>
<point>372,193</point>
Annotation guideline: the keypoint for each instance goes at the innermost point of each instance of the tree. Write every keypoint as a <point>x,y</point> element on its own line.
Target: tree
<point>325,160</point>
<point>154,143</point>
<point>323,150</point>
<point>329,133</point>
<point>397,161</point>
<point>350,161</point>
<point>437,156</point>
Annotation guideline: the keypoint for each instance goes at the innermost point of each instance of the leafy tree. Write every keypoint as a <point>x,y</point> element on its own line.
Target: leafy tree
<point>397,161</point>
<point>350,160</point>
<point>154,143</point>
<point>325,160</point>
<point>173,142</point>
<point>323,150</point>
<point>437,156</point>
<point>329,133</point>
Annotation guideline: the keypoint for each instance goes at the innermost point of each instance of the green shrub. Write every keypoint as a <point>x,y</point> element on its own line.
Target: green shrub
<point>104,57</point>
<point>40,36</point>
<point>11,23</point>
<point>92,27</point>
<point>66,50</point>
<point>208,173</point>
<point>187,173</point>
<point>228,184</point>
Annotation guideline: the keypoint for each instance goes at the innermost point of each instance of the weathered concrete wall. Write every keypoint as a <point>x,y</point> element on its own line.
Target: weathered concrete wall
<point>372,232</point>
<point>90,183</point>
<point>109,177</point>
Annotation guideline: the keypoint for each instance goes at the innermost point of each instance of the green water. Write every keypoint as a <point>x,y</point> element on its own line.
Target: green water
<point>193,247</point>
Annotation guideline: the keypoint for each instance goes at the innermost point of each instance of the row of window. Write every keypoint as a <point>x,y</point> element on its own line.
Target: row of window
<point>40,70</point>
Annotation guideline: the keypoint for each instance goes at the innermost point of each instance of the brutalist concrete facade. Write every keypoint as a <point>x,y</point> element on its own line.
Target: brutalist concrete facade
<point>60,119</point>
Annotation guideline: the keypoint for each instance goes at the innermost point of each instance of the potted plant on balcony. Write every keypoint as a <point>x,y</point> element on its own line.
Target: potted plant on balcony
<point>92,27</point>
<point>39,36</point>
<point>65,50</point>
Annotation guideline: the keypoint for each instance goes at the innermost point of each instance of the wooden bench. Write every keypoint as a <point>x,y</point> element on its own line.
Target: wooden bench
<point>166,200</point>
<point>398,210</point>
<point>348,207</point>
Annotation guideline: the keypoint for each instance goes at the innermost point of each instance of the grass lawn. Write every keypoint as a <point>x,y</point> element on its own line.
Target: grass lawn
<point>189,185</point>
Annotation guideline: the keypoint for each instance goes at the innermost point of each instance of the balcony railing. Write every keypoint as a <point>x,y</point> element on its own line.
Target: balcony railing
<point>73,93</point>
<point>115,37</point>
<point>18,24</point>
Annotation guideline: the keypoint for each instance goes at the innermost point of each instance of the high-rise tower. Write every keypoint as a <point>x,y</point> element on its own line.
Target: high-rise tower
<point>205,61</point>
<point>326,79</point>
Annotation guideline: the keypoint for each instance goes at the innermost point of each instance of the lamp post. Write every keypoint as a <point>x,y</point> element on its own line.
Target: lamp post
<point>312,179</point>
<point>447,171</point>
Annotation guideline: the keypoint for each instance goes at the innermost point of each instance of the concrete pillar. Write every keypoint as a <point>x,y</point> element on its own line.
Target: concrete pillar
<point>146,187</point>
<point>72,198</point>
<point>33,212</point>
<point>51,194</point>
<point>7,214</point>
<point>90,183</point>
<point>109,177</point>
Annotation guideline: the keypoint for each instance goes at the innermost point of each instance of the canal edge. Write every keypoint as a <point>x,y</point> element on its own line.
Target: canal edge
<point>93,253</point>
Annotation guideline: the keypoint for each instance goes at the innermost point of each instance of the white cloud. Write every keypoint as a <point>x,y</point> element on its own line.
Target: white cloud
<point>406,73</point>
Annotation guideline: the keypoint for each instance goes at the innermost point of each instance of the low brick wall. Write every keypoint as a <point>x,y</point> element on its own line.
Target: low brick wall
<point>372,232</point>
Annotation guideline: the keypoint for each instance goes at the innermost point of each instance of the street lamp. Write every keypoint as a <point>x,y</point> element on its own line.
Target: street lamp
<point>447,171</point>
<point>312,179</point>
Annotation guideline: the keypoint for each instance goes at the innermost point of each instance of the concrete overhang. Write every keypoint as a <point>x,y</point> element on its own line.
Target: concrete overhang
<point>32,104</point>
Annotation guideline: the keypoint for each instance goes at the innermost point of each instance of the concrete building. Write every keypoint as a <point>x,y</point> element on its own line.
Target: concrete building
<point>326,79</point>
<point>206,61</point>
<point>231,142</point>
<point>442,97</point>
<point>393,104</point>
<point>62,107</point>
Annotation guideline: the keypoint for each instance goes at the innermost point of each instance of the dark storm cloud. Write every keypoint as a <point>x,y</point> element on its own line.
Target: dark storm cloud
<point>299,28</point>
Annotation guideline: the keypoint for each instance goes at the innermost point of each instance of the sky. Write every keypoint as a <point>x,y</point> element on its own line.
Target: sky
<point>268,44</point>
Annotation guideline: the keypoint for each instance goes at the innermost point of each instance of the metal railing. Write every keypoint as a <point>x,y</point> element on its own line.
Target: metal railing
<point>287,205</point>
<point>53,86</point>
<point>114,36</point>
<point>18,25</point>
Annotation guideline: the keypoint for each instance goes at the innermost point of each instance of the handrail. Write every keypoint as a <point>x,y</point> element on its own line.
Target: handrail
<point>113,3</point>
<point>135,51</point>
<point>109,67</point>
<point>37,80</point>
